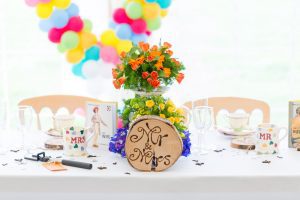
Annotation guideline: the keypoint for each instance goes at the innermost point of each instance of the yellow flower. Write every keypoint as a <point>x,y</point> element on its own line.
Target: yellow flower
<point>167,72</point>
<point>162,106</point>
<point>171,109</point>
<point>171,119</point>
<point>180,111</point>
<point>150,103</point>
<point>170,103</point>
<point>162,115</point>
<point>177,120</point>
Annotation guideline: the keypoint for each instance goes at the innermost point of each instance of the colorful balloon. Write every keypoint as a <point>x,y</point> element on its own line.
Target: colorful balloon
<point>139,26</point>
<point>63,4</point>
<point>55,34</point>
<point>77,69</point>
<point>70,40</point>
<point>154,24</point>
<point>93,53</point>
<point>109,38</point>
<point>59,18</point>
<point>120,16</point>
<point>46,25</point>
<point>75,24</point>
<point>75,55</point>
<point>136,38</point>
<point>61,48</point>
<point>44,11</point>
<point>32,3</point>
<point>163,13</point>
<point>109,54</point>
<point>124,45</point>
<point>164,3</point>
<point>72,10</point>
<point>91,69</point>
<point>87,39</point>
<point>88,26</point>
<point>123,31</point>
<point>134,10</point>
<point>151,11</point>
<point>44,1</point>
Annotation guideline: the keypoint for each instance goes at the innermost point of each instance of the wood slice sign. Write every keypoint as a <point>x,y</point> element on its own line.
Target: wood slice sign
<point>152,144</point>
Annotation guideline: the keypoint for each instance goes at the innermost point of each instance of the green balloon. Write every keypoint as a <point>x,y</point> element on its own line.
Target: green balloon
<point>154,24</point>
<point>134,10</point>
<point>88,26</point>
<point>61,48</point>
<point>70,40</point>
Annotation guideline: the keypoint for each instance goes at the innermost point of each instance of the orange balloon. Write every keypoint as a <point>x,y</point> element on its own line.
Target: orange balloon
<point>75,55</point>
<point>151,11</point>
<point>87,39</point>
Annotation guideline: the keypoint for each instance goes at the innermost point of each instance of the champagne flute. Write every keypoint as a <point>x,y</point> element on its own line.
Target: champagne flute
<point>202,118</point>
<point>25,120</point>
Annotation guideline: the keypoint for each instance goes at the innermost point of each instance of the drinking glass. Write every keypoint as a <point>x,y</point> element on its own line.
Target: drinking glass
<point>25,120</point>
<point>202,118</point>
<point>3,123</point>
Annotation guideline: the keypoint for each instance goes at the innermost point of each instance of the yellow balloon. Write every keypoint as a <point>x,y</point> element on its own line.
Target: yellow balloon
<point>44,10</point>
<point>62,3</point>
<point>87,39</point>
<point>151,11</point>
<point>75,55</point>
<point>124,45</point>
<point>163,13</point>
<point>109,38</point>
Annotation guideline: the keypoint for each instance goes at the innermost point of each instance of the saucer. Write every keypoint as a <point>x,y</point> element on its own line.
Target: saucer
<point>231,132</point>
<point>53,132</point>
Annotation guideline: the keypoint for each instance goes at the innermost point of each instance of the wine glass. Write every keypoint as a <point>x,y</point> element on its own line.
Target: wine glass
<point>202,118</point>
<point>25,120</point>
<point>3,123</point>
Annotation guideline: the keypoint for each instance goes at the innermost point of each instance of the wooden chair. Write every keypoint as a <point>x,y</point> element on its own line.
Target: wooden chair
<point>232,104</point>
<point>55,102</point>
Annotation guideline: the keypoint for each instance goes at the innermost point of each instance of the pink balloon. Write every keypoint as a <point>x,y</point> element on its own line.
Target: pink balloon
<point>44,1</point>
<point>55,35</point>
<point>109,54</point>
<point>120,123</point>
<point>120,16</point>
<point>75,24</point>
<point>117,61</point>
<point>139,26</point>
<point>148,33</point>
<point>32,3</point>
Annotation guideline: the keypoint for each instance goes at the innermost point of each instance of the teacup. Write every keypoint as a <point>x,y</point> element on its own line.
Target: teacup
<point>75,141</point>
<point>267,138</point>
<point>238,121</point>
<point>62,121</point>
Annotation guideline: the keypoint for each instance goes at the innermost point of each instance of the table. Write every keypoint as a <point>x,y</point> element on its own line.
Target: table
<point>229,174</point>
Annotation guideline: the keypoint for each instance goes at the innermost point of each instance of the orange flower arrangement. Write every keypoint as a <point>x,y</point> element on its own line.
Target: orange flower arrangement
<point>147,68</point>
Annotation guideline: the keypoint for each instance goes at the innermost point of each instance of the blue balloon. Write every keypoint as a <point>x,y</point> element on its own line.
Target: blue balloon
<point>164,3</point>
<point>46,25</point>
<point>112,24</point>
<point>150,1</point>
<point>73,10</point>
<point>59,18</point>
<point>92,53</point>
<point>136,38</point>
<point>77,69</point>
<point>124,31</point>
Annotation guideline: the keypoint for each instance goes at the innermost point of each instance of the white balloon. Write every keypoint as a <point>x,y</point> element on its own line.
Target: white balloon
<point>91,69</point>
<point>106,69</point>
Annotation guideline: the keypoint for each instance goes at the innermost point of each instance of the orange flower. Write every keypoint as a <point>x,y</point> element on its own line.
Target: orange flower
<point>123,54</point>
<point>170,52</point>
<point>161,59</point>
<point>155,53</point>
<point>117,84</point>
<point>155,83</point>
<point>154,48</point>
<point>180,77</point>
<point>121,67</point>
<point>159,65</point>
<point>140,60</point>
<point>145,75</point>
<point>144,46</point>
<point>134,64</point>
<point>167,72</point>
<point>154,75</point>
<point>150,58</point>
<point>167,45</point>
<point>114,73</point>
<point>149,80</point>
<point>122,80</point>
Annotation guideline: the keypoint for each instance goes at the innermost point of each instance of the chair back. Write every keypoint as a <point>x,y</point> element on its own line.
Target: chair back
<point>232,104</point>
<point>55,102</point>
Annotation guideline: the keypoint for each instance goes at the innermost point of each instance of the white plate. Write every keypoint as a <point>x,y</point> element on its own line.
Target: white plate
<point>231,132</point>
<point>54,133</point>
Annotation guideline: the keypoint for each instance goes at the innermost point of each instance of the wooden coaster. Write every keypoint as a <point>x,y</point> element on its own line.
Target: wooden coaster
<point>246,143</point>
<point>152,144</point>
<point>54,144</point>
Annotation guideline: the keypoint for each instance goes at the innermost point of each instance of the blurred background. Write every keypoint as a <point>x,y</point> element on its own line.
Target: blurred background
<point>245,48</point>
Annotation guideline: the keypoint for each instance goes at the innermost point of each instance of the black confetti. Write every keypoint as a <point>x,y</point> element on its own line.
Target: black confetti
<point>4,164</point>
<point>218,150</point>
<point>266,161</point>
<point>199,164</point>
<point>115,163</point>
<point>58,157</point>
<point>92,156</point>
<point>127,173</point>
<point>15,150</point>
<point>279,157</point>
<point>195,160</point>
<point>102,168</point>
<point>19,160</point>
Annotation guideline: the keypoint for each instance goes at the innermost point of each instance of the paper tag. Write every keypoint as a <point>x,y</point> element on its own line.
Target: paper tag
<point>54,166</point>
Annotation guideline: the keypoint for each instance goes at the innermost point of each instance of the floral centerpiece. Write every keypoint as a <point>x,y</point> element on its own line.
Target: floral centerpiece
<point>148,71</point>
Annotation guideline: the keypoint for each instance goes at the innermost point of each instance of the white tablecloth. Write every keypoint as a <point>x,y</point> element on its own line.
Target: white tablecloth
<point>230,174</point>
